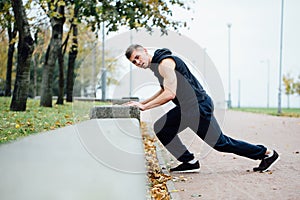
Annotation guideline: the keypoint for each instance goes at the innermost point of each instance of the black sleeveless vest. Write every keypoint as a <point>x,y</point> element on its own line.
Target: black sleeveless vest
<point>190,95</point>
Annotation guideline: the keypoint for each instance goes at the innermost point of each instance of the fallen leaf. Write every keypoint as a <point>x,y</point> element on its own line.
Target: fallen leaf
<point>196,195</point>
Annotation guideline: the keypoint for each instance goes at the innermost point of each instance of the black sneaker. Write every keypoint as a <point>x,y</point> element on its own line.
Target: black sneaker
<point>267,163</point>
<point>186,168</point>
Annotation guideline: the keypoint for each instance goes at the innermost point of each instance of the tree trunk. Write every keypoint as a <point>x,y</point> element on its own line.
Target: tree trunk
<point>10,54</point>
<point>35,65</point>
<point>60,99</point>
<point>25,49</point>
<point>71,65</point>
<point>51,56</point>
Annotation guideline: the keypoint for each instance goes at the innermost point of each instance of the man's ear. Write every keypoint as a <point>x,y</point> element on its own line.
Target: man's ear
<point>146,51</point>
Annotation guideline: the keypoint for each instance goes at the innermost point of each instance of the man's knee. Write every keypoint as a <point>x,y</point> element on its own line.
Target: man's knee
<point>157,127</point>
<point>160,125</point>
<point>163,132</point>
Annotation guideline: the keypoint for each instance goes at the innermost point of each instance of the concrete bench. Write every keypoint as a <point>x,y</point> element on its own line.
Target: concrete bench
<point>114,111</point>
<point>96,159</point>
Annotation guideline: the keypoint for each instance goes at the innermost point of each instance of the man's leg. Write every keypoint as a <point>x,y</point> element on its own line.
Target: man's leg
<point>166,129</point>
<point>211,133</point>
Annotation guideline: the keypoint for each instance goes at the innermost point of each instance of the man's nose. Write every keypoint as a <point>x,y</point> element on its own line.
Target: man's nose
<point>137,62</point>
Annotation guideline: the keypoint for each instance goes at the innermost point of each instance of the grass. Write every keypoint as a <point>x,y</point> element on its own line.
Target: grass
<point>286,112</point>
<point>37,119</point>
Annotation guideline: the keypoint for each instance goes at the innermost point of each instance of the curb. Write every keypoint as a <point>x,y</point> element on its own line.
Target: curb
<point>160,154</point>
<point>162,163</point>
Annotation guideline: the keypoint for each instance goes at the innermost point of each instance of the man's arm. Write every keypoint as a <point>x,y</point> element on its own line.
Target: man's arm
<point>167,71</point>
<point>153,97</point>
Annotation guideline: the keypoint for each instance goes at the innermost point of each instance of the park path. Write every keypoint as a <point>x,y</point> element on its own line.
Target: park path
<point>227,176</point>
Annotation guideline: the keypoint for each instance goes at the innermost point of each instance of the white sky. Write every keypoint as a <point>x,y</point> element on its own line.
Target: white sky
<point>255,36</point>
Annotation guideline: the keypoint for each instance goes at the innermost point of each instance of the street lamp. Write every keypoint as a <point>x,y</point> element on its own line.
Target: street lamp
<point>280,62</point>
<point>103,70</point>
<point>130,65</point>
<point>229,68</point>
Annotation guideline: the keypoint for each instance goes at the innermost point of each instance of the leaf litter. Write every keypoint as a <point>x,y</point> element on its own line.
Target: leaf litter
<point>157,179</point>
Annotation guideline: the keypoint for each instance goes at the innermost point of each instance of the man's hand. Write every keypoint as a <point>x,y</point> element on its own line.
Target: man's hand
<point>135,104</point>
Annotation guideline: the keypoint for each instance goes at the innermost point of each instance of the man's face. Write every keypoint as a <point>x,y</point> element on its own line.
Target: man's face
<point>140,58</point>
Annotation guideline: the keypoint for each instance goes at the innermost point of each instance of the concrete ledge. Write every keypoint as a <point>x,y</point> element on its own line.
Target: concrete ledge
<point>124,100</point>
<point>93,160</point>
<point>114,111</point>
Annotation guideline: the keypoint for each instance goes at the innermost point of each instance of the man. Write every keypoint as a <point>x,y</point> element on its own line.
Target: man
<point>193,109</point>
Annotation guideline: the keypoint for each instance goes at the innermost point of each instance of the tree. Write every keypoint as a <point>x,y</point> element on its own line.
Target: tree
<point>25,49</point>
<point>144,13</point>
<point>288,83</point>
<point>72,55</point>
<point>3,59</point>
<point>296,86</point>
<point>7,21</point>
<point>57,19</point>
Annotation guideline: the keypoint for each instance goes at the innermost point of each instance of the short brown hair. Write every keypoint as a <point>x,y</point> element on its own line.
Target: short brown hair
<point>131,48</point>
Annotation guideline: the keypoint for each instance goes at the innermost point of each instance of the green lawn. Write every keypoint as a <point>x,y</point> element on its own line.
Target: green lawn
<point>287,112</point>
<point>36,119</point>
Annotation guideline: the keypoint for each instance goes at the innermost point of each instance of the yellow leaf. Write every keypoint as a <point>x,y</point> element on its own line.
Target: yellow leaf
<point>17,126</point>
<point>61,3</point>
<point>69,123</point>
<point>57,123</point>
<point>52,7</point>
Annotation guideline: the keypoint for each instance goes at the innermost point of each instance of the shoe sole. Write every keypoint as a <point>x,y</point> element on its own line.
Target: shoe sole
<point>187,171</point>
<point>271,164</point>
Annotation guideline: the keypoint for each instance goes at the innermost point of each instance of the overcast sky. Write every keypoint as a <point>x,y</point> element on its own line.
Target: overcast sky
<point>255,38</point>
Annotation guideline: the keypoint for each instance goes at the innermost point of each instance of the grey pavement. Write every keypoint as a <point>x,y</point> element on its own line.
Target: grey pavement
<point>227,176</point>
<point>96,159</point>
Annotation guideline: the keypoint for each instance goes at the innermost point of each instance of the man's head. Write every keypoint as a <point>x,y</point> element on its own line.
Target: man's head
<point>138,55</point>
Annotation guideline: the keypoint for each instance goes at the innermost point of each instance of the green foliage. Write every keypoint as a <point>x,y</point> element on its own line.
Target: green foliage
<point>115,13</point>
<point>296,86</point>
<point>36,119</point>
<point>140,13</point>
<point>6,16</point>
<point>288,83</point>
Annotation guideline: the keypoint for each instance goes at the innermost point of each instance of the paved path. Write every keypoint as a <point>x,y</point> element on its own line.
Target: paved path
<point>227,176</point>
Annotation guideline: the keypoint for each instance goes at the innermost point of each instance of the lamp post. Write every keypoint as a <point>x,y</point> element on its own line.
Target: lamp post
<point>280,59</point>
<point>229,68</point>
<point>130,75</point>
<point>103,70</point>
